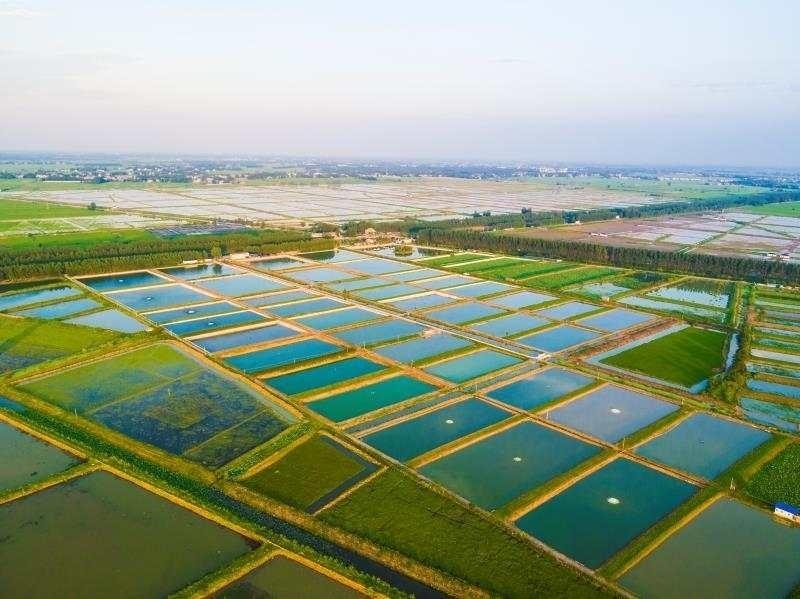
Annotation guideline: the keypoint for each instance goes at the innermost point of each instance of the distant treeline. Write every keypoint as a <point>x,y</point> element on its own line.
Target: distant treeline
<point>748,269</point>
<point>107,257</point>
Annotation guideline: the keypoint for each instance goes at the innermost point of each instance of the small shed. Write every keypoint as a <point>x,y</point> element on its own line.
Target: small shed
<point>788,512</point>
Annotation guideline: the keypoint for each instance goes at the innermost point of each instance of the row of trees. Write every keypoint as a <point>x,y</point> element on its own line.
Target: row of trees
<point>731,267</point>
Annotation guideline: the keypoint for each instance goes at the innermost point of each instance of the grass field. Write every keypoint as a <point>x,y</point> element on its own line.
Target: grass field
<point>25,342</point>
<point>19,210</point>
<point>685,357</point>
<point>77,240</point>
<point>779,479</point>
<point>451,259</point>
<point>307,473</point>
<point>395,511</point>
<point>573,276</point>
<point>778,209</point>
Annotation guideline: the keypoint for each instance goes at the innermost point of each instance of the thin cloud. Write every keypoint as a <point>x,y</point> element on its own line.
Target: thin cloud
<point>14,10</point>
<point>511,61</point>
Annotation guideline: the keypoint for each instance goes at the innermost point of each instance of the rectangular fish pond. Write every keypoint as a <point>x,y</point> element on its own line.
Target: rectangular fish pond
<point>558,338</point>
<point>239,285</point>
<point>282,355</point>
<point>214,323</point>
<point>615,320</point>
<point>338,318</point>
<point>319,304</point>
<point>464,313</point>
<point>541,388</point>
<point>25,459</point>
<point>254,336</point>
<point>381,332</point>
<point>191,312</point>
<point>112,320</point>
<point>325,375</point>
<point>60,310</point>
<point>18,299</point>
<point>280,297</point>
<point>424,348</point>
<point>464,368</point>
<point>200,271</point>
<point>481,289</point>
<point>119,282</point>
<point>521,299</point>
<point>157,298</point>
<point>786,418</point>
<point>420,302</point>
<point>506,326</point>
<point>387,292</point>
<point>567,310</point>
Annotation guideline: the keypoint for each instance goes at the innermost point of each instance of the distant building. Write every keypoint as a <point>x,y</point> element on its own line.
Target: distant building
<point>788,512</point>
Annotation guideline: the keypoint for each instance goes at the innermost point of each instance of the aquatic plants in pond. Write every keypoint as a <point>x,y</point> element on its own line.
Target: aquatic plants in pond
<point>541,388</point>
<point>318,377</point>
<point>470,366</point>
<point>778,481</point>
<point>792,391</point>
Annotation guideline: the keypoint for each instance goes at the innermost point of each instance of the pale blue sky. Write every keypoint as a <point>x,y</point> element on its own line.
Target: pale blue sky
<point>714,82</point>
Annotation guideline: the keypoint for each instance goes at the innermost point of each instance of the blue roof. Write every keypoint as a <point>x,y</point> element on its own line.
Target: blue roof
<point>788,508</point>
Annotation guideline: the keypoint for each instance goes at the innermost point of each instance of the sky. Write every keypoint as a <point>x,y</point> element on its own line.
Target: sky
<point>622,82</point>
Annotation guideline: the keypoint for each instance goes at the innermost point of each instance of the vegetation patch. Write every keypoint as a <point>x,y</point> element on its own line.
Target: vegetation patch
<point>779,479</point>
<point>572,276</point>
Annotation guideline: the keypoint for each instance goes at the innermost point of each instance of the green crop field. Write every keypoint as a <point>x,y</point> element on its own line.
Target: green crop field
<point>779,479</point>
<point>25,342</point>
<point>485,265</point>
<point>685,357</point>
<point>77,240</point>
<point>573,276</point>
<point>306,473</point>
<point>451,259</point>
<point>19,210</point>
<point>641,280</point>
<point>395,511</point>
<point>777,209</point>
<point>525,268</point>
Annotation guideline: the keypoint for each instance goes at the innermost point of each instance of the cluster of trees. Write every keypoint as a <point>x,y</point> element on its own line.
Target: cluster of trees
<point>731,267</point>
<point>107,257</point>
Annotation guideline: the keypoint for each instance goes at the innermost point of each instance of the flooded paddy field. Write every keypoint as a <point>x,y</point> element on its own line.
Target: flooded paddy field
<point>541,388</point>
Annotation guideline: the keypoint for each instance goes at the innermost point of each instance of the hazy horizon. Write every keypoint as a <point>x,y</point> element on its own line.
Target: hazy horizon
<point>628,83</point>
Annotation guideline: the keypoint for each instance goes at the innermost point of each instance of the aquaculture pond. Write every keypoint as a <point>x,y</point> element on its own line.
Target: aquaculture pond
<point>445,281</point>
<point>755,367</point>
<point>601,289</point>
<point>156,298</point>
<point>786,418</point>
<point>695,293</point>
<point>282,355</point>
<point>500,468</point>
<point>338,318</point>
<point>610,412</point>
<point>265,334</point>
<point>377,266</point>
<point>60,310</point>
<point>506,326</point>
<point>420,434</point>
<point>683,309</point>
<point>369,398</point>
<point>615,320</point>
<point>777,356</point>
<point>123,281</point>
<point>729,550</point>
<point>541,388</point>
<point>239,285</point>
<point>356,284</point>
<point>332,256</point>
<point>320,274</point>
<point>26,298</point>
<point>521,299</point>
<point>567,310</point>
<point>420,302</point>
<point>464,313</point>
<point>558,338</point>
<point>380,332</point>
<point>200,271</point>
<point>191,312</point>
<point>284,578</point>
<point>214,323</point>
<point>319,304</point>
<point>424,348</point>
<point>465,368</point>
<point>774,388</point>
<point>414,275</point>
<point>277,263</point>
<point>386,292</point>
<point>703,444</point>
<point>481,289</point>
<point>326,375</point>
<point>280,297</point>
<point>24,459</point>
<point>112,320</point>
<point>598,515</point>
<point>89,528</point>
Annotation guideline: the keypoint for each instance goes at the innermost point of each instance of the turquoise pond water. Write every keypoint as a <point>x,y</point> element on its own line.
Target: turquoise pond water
<point>567,310</point>
<point>793,345</point>
<point>779,332</point>
<point>513,324</point>
<point>24,459</point>
<point>332,256</point>
<point>277,263</point>
<point>601,289</point>
<point>113,320</point>
<point>600,514</point>
<point>414,275</point>
<point>643,302</point>
<point>791,391</point>
<point>201,271</point>
<point>417,253</point>
<point>61,309</point>
<point>320,274</point>
<point>214,323</point>
<point>446,281</point>
<point>786,418</point>
<point>615,320</point>
<point>414,350</point>
<point>377,266</point>
<point>155,298</point>
<point>464,312</point>
<point>240,285</point>
<point>280,297</point>
<point>703,445</point>
<point>369,398</point>
<point>421,302</point>
<point>189,312</point>
<point>124,281</point>
<point>772,369</point>
<point>282,355</point>
<point>558,338</point>
<point>35,296</point>
<point>356,284</point>
<point>774,355</point>
<point>611,413</point>
<point>495,470</point>
<point>325,375</point>
<point>464,368</point>
<point>479,289</point>
<point>730,550</point>
<point>419,435</point>
<point>684,294</point>
<point>521,299</point>
<point>387,292</point>
<point>379,333</point>
<point>541,388</point>
<point>319,304</point>
<point>264,334</point>
<point>339,318</point>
